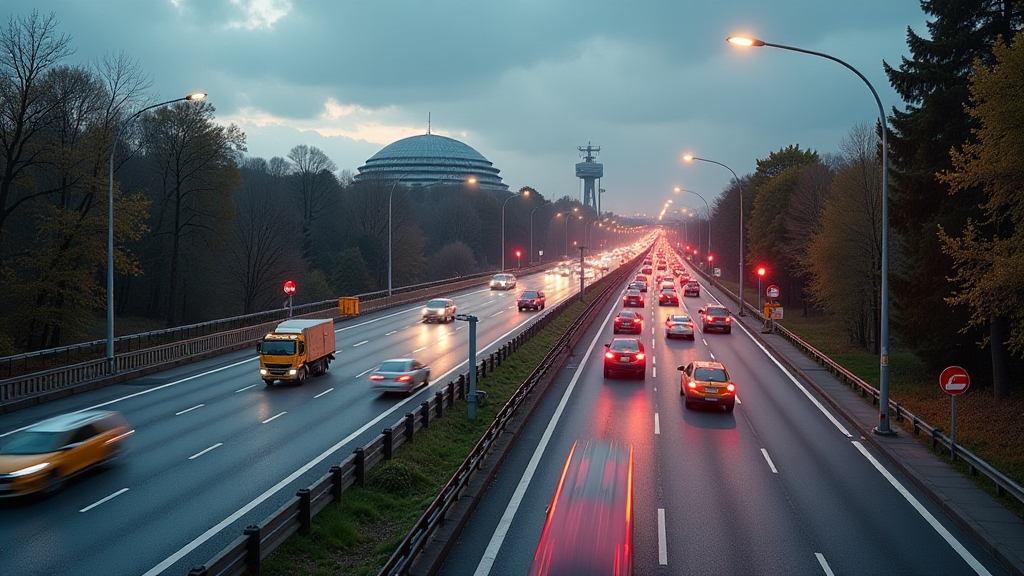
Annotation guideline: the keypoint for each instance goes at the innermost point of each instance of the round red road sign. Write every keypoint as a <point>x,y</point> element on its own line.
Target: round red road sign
<point>289,288</point>
<point>954,380</point>
<point>772,291</point>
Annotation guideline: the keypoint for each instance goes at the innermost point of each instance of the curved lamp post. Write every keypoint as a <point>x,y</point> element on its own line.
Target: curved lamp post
<point>524,193</point>
<point>546,203</point>
<point>883,427</point>
<point>691,158</point>
<point>677,190</point>
<point>110,221</point>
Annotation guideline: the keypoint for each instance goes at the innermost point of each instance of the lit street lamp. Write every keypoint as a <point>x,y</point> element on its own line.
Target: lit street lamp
<point>110,222</point>
<point>691,158</point>
<point>883,427</point>
<point>524,193</point>
<point>677,190</point>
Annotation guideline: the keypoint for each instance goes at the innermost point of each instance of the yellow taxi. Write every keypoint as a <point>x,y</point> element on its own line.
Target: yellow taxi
<point>705,382</point>
<point>42,457</point>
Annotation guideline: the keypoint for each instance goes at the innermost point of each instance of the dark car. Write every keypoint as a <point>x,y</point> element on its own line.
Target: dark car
<point>633,298</point>
<point>668,297</point>
<point>628,322</point>
<point>625,355</point>
<point>531,299</point>
<point>692,288</point>
<point>715,317</point>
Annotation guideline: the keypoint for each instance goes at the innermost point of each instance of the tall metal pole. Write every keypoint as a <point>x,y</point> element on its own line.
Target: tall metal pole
<point>503,227</point>
<point>546,203</point>
<point>706,206</point>
<point>110,223</point>
<point>471,400</point>
<point>883,428</point>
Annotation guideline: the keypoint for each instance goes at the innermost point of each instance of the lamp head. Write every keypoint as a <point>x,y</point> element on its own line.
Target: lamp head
<point>745,41</point>
<point>196,96</point>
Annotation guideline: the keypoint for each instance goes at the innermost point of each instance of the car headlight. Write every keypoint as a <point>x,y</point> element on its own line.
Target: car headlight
<point>263,371</point>
<point>424,311</point>
<point>30,470</point>
<point>293,372</point>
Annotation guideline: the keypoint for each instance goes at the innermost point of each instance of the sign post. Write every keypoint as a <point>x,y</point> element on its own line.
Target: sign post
<point>472,398</point>
<point>953,381</point>
<point>289,289</point>
<point>772,310</point>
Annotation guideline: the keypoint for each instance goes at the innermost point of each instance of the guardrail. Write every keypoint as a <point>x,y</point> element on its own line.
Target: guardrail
<point>244,554</point>
<point>975,465</point>
<point>137,362</point>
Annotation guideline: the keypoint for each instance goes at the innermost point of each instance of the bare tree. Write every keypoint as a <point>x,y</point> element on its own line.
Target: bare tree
<point>313,181</point>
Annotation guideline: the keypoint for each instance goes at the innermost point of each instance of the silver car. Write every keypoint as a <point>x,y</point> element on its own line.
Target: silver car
<point>439,310</point>
<point>400,375</point>
<point>679,325</point>
<point>503,282</point>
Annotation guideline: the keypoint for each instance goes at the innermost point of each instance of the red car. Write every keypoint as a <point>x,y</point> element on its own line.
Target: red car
<point>629,322</point>
<point>625,355</point>
<point>531,299</point>
<point>633,298</point>
<point>668,297</point>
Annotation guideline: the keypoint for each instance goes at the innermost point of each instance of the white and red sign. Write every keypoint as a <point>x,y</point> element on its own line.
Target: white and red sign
<point>954,380</point>
<point>289,287</point>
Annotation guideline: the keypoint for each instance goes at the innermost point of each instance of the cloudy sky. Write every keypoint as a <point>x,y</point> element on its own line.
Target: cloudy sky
<point>524,82</point>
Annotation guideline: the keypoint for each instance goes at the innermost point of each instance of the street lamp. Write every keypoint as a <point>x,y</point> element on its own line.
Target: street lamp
<point>677,190</point>
<point>760,275</point>
<point>691,158</point>
<point>524,193</point>
<point>110,222</point>
<point>546,203</point>
<point>883,427</point>
<point>391,193</point>
<point>566,216</point>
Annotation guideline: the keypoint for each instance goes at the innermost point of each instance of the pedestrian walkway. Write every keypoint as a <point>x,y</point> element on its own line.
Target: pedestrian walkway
<point>993,526</point>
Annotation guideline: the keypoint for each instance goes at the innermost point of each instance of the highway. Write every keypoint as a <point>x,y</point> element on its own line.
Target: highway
<point>779,486</point>
<point>216,450</point>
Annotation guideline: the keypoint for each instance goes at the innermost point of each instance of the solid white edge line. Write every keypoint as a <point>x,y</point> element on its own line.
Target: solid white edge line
<point>484,567</point>
<point>662,539</point>
<point>244,389</point>
<point>769,460</point>
<point>799,385</point>
<point>953,542</point>
<point>198,454</point>
<point>657,424</point>
<point>274,417</point>
<point>214,530</point>
<point>189,409</point>
<point>324,392</point>
<point>738,400</point>
<point>97,503</point>
<point>824,564</point>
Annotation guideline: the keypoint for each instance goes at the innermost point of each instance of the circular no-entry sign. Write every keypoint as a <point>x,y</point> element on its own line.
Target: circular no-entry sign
<point>289,287</point>
<point>954,380</point>
<point>772,291</point>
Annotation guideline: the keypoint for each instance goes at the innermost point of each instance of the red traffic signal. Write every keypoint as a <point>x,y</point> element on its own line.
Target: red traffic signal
<point>518,253</point>
<point>710,257</point>
<point>289,288</point>
<point>760,271</point>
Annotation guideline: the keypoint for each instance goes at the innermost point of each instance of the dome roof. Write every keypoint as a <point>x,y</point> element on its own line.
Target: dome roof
<point>429,158</point>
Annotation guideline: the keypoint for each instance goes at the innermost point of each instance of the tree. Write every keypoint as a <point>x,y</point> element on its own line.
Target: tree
<point>451,261</point>
<point>934,83</point>
<point>347,273</point>
<point>989,253</point>
<point>29,50</point>
<point>314,182</point>
<point>193,165</point>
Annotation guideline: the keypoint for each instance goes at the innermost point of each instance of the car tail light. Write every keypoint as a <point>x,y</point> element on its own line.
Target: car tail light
<point>376,377</point>
<point>728,319</point>
<point>731,387</point>
<point>690,324</point>
<point>671,324</point>
<point>609,355</point>
<point>404,378</point>
<point>640,356</point>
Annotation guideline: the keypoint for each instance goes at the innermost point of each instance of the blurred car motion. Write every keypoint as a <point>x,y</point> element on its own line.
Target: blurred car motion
<point>400,375</point>
<point>42,457</point>
<point>589,526</point>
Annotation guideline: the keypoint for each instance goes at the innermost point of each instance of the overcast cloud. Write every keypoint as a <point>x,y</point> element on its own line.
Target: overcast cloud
<point>524,82</point>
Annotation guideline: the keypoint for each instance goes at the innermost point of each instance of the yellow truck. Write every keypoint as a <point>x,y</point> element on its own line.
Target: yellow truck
<point>295,350</point>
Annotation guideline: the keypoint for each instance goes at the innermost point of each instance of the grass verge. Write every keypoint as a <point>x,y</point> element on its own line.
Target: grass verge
<point>357,535</point>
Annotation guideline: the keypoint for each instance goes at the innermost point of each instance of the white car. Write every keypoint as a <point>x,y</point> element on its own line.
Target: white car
<point>503,282</point>
<point>679,325</point>
<point>400,375</point>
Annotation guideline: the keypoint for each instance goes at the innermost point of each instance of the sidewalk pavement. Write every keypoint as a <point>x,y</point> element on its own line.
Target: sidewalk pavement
<point>993,526</point>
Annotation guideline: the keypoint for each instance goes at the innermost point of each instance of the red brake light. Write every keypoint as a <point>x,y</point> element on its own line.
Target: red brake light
<point>404,378</point>
<point>690,324</point>
<point>728,319</point>
<point>731,387</point>
<point>609,355</point>
<point>670,323</point>
<point>376,377</point>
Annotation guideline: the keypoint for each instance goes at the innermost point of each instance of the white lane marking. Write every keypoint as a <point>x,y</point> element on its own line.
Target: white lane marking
<point>953,542</point>
<point>364,373</point>
<point>214,530</point>
<point>657,424</point>
<point>654,372</point>
<point>655,388</point>
<point>652,330</point>
<point>498,312</point>
<point>662,539</point>
<point>704,341</point>
<point>189,409</point>
<point>653,360</point>
<point>460,327</point>
<point>275,417</point>
<point>329,390</point>
<point>511,307</point>
<point>738,400</point>
<point>421,349</point>
<point>111,497</point>
<point>198,454</point>
<point>357,345</point>
<point>151,390</point>
<point>712,354</point>
<point>487,561</point>
<point>799,385</point>
<point>392,332</point>
<point>769,460</point>
<point>824,564</point>
<point>244,389</point>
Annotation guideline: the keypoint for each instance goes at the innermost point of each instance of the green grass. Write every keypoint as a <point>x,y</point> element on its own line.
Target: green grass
<point>358,535</point>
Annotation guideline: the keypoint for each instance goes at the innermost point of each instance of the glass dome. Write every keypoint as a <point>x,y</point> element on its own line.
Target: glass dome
<point>428,159</point>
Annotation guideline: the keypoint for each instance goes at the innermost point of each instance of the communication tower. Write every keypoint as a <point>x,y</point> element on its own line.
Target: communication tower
<point>590,171</point>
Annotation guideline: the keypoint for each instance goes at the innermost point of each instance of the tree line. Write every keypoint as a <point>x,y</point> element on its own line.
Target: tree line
<point>955,198</point>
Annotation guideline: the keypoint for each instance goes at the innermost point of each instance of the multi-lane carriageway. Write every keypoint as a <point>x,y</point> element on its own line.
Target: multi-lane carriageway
<point>215,450</point>
<point>779,486</point>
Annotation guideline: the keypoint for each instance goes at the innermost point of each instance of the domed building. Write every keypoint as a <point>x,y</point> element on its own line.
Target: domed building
<point>429,159</point>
